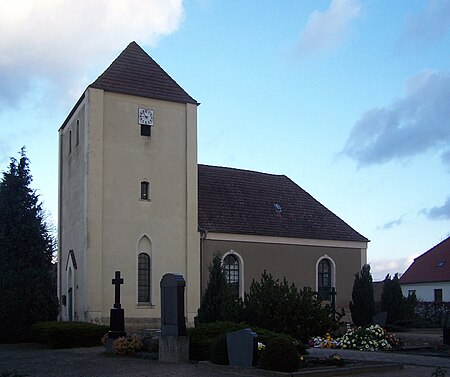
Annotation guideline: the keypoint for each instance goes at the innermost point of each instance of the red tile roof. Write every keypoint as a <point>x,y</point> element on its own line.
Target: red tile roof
<point>431,266</point>
<point>134,72</point>
<point>245,202</point>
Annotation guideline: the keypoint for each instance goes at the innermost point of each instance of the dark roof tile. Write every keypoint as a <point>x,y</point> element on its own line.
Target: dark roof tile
<point>242,202</point>
<point>431,266</point>
<point>134,72</point>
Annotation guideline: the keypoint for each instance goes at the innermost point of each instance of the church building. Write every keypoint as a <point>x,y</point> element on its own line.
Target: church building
<point>132,198</point>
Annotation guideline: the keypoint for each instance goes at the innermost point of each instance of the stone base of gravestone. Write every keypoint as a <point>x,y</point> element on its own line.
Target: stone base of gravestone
<point>174,349</point>
<point>109,345</point>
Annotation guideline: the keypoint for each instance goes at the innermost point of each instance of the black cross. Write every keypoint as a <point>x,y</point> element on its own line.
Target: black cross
<point>117,281</point>
<point>333,301</point>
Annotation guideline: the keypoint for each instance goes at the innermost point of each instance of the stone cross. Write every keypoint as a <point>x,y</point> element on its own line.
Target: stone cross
<point>333,301</point>
<point>117,281</point>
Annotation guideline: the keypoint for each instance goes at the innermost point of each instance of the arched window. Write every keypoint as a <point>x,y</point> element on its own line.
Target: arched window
<point>231,269</point>
<point>144,278</point>
<point>324,279</point>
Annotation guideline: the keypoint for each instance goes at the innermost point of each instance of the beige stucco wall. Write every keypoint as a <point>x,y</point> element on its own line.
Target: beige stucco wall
<point>117,159</point>
<point>296,262</point>
<point>72,219</point>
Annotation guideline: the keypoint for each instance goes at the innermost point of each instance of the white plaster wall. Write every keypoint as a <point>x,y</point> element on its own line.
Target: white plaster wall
<point>425,291</point>
<point>72,218</point>
<point>119,159</point>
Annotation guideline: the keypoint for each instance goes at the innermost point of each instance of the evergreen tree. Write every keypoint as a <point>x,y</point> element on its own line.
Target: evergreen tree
<point>281,307</point>
<point>218,303</point>
<point>26,248</point>
<point>362,306</point>
<point>392,300</point>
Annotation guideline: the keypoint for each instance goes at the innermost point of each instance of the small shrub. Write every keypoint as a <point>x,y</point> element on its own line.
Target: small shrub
<point>280,355</point>
<point>127,345</point>
<point>219,350</point>
<point>68,334</point>
<point>202,336</point>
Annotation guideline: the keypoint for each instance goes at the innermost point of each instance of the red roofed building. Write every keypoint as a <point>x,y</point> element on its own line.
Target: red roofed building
<point>429,275</point>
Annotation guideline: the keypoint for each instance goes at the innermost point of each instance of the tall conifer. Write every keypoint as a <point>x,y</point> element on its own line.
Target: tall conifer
<point>26,248</point>
<point>362,306</point>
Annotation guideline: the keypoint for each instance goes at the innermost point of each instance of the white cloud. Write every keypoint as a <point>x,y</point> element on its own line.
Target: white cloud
<point>392,224</point>
<point>381,267</point>
<point>53,41</point>
<point>440,212</point>
<point>327,29</point>
<point>411,125</point>
<point>432,23</point>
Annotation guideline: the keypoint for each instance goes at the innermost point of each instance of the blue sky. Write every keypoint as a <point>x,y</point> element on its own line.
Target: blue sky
<point>349,98</point>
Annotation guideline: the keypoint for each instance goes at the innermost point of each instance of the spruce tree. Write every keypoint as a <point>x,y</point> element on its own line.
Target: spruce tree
<point>26,248</point>
<point>362,306</point>
<point>217,302</point>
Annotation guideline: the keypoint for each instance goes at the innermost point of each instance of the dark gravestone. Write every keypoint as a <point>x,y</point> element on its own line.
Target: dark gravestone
<point>380,319</point>
<point>446,336</point>
<point>117,315</point>
<point>172,305</point>
<point>173,342</point>
<point>242,348</point>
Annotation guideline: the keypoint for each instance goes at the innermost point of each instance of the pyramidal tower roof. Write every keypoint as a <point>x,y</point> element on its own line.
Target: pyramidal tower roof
<point>134,72</point>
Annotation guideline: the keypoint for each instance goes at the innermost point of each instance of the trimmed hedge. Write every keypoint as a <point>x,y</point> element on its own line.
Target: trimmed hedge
<point>280,355</point>
<point>201,338</point>
<point>68,334</point>
<point>219,350</point>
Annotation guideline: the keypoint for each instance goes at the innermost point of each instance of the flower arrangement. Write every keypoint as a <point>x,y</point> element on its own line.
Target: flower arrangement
<point>127,345</point>
<point>326,342</point>
<point>373,338</point>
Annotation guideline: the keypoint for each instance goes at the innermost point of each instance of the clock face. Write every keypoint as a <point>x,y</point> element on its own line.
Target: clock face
<point>145,116</point>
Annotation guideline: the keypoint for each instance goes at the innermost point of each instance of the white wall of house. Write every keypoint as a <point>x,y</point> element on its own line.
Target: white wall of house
<point>426,291</point>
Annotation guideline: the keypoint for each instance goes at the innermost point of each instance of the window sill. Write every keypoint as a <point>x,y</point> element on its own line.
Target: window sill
<point>145,200</point>
<point>143,305</point>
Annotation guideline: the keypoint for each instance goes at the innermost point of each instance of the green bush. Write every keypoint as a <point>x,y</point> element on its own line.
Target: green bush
<point>201,337</point>
<point>278,306</point>
<point>68,334</point>
<point>219,350</point>
<point>280,355</point>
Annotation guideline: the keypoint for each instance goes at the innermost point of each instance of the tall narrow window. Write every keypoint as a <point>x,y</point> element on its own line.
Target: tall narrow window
<point>70,141</point>
<point>231,269</point>
<point>324,279</point>
<point>143,278</point>
<point>77,136</point>
<point>145,190</point>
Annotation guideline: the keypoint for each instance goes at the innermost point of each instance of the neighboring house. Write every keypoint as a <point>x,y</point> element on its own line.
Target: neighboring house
<point>429,275</point>
<point>133,199</point>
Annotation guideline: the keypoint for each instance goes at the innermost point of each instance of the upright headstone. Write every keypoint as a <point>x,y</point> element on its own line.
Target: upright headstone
<point>242,348</point>
<point>380,319</point>
<point>117,314</point>
<point>173,343</point>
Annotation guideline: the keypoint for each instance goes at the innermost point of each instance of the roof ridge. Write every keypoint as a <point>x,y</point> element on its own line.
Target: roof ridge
<point>244,170</point>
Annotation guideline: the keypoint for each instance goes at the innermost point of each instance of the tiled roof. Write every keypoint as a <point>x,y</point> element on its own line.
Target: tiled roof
<point>245,202</point>
<point>431,266</point>
<point>134,72</point>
